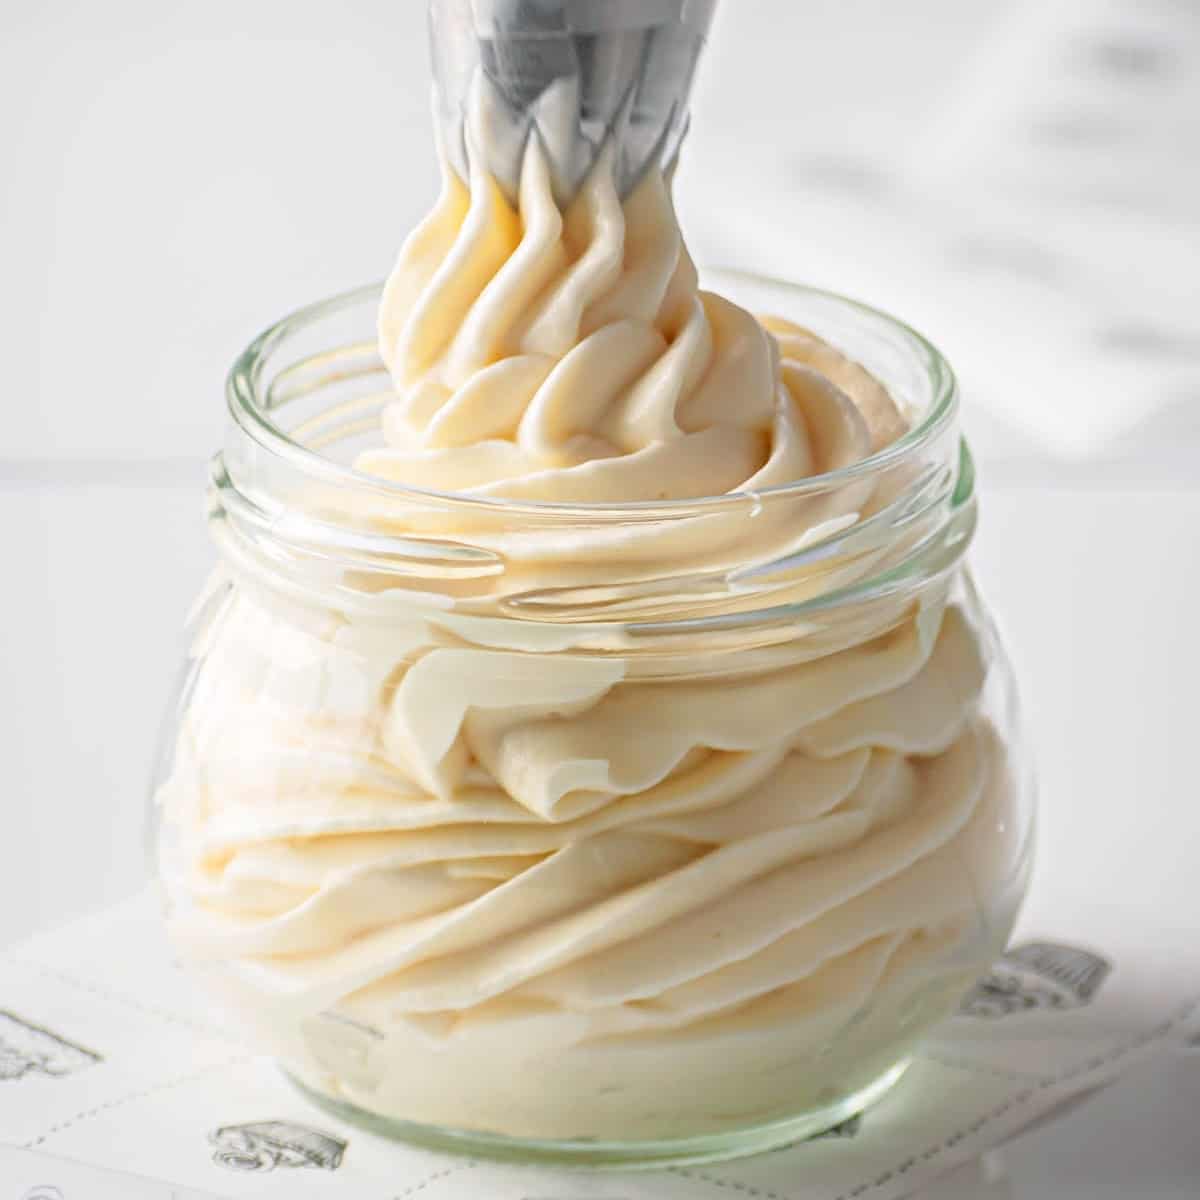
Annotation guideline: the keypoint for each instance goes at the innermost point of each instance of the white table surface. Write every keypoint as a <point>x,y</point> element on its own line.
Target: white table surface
<point>167,192</point>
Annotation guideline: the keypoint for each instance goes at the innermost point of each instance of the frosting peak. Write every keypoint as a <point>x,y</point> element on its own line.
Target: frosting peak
<point>571,356</point>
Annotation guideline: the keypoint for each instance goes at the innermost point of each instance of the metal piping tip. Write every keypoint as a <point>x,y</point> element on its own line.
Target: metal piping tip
<point>576,74</point>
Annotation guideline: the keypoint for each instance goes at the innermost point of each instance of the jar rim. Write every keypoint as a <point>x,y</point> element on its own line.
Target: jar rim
<point>245,402</point>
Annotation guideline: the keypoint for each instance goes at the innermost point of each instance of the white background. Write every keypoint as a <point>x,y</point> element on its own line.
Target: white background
<point>1019,180</point>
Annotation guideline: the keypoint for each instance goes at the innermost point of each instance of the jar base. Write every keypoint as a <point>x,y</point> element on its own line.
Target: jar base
<point>613,1155</point>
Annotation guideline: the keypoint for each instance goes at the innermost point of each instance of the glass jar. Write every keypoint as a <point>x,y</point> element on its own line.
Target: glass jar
<point>655,832</point>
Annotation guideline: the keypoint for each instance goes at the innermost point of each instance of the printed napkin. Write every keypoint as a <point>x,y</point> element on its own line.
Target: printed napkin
<point>114,1083</point>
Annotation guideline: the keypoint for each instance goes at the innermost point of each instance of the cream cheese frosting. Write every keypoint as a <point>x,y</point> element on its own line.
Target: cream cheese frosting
<point>462,879</point>
<point>572,358</point>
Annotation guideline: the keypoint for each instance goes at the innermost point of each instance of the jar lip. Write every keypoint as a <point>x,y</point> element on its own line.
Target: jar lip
<point>243,398</point>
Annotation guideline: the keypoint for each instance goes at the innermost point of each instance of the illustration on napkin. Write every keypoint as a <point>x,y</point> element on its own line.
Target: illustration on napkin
<point>1037,975</point>
<point>28,1049</point>
<point>265,1145</point>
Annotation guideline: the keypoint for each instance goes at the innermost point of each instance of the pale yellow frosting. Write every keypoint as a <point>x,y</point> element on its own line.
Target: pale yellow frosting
<point>571,357</point>
<point>552,893</point>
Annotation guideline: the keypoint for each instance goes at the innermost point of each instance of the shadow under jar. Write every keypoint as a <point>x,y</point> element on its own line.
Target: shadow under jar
<point>607,834</point>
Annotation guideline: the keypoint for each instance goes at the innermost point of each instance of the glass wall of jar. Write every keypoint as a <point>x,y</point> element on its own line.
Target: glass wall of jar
<point>647,832</point>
